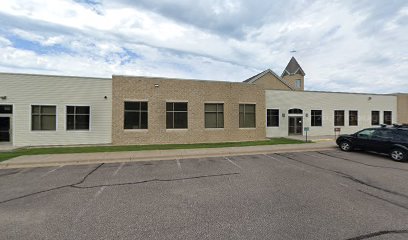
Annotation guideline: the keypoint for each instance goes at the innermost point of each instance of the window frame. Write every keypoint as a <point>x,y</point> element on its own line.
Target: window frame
<point>172,111</point>
<point>372,119</point>
<point>239,116</point>
<point>311,118</point>
<point>267,117</point>
<point>300,83</point>
<point>66,117</point>
<point>31,117</point>
<point>335,122</point>
<point>349,118</point>
<point>390,123</point>
<point>140,111</point>
<point>216,114</point>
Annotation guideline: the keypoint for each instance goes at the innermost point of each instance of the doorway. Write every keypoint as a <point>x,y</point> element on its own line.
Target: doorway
<point>295,125</point>
<point>5,130</point>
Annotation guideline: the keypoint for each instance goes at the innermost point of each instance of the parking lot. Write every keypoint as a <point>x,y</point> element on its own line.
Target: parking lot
<point>300,195</point>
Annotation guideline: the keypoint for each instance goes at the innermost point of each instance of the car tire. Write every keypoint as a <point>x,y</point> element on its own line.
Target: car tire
<point>398,154</point>
<point>345,146</point>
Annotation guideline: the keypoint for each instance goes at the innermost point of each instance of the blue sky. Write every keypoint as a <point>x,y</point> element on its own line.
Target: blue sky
<point>347,45</point>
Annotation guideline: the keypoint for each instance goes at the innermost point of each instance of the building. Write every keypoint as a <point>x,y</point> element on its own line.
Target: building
<point>158,110</point>
<point>54,110</point>
<point>57,110</point>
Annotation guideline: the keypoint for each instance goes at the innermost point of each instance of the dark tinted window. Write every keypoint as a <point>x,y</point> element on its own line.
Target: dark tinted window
<point>375,117</point>
<point>353,118</point>
<point>6,109</point>
<point>176,115</point>
<point>272,118</point>
<point>295,111</point>
<point>339,118</point>
<point>316,118</point>
<point>135,115</point>
<point>78,117</point>
<point>388,117</point>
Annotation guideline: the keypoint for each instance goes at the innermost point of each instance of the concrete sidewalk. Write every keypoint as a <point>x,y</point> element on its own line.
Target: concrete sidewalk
<point>113,157</point>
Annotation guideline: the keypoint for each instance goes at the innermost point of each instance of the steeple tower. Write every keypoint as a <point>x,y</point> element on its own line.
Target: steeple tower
<point>294,75</point>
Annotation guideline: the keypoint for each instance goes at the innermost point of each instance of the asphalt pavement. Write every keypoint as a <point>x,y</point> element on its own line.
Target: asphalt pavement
<point>298,195</point>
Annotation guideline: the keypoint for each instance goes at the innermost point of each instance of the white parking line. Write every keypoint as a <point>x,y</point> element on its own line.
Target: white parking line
<point>178,164</point>
<point>51,171</point>
<point>118,169</point>
<point>229,160</point>
<point>83,211</point>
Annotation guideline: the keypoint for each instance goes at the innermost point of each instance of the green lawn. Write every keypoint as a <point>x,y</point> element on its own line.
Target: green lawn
<point>92,149</point>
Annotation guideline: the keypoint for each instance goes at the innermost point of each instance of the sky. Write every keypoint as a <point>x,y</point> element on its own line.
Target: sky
<point>344,45</point>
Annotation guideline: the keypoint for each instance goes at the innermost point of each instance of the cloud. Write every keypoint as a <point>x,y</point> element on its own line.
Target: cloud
<point>342,45</point>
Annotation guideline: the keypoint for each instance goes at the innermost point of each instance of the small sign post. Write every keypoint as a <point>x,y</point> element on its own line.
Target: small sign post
<point>306,129</point>
<point>336,130</point>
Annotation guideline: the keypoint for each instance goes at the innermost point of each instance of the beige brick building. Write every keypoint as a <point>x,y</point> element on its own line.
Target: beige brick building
<point>158,92</point>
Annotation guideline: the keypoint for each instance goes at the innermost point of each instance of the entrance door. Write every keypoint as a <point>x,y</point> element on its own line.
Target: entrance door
<point>295,125</point>
<point>5,129</point>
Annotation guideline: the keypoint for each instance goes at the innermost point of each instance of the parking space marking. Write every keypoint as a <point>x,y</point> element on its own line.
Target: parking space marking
<point>178,164</point>
<point>51,171</point>
<point>118,169</point>
<point>83,211</point>
<point>229,160</point>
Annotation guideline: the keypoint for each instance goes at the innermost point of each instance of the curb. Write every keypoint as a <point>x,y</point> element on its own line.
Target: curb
<point>157,157</point>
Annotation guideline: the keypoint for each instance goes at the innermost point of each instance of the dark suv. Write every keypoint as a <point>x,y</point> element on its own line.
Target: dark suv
<point>389,140</point>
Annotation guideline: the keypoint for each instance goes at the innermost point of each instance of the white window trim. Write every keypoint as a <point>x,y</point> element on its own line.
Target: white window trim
<point>311,118</point>
<point>31,120</point>
<point>78,105</point>
<point>266,117</point>
<point>11,115</point>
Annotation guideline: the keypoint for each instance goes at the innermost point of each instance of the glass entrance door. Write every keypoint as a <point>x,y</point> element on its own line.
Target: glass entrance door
<point>5,129</point>
<point>295,125</point>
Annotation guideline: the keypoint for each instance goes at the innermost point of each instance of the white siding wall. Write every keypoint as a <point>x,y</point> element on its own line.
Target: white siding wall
<point>25,90</point>
<point>327,102</point>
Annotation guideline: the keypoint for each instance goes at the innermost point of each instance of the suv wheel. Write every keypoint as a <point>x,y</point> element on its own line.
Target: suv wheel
<point>398,155</point>
<point>345,146</point>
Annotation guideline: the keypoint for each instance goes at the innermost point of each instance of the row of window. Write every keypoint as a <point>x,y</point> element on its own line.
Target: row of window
<point>44,118</point>
<point>272,117</point>
<point>136,115</point>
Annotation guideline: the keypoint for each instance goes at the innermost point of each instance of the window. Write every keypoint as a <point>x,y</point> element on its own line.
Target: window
<point>43,118</point>
<point>366,134</point>
<point>353,118</point>
<point>298,83</point>
<point>272,117</point>
<point>247,115</point>
<point>339,118</point>
<point>176,115</point>
<point>135,115</point>
<point>214,115</point>
<point>316,118</point>
<point>375,117</point>
<point>78,117</point>
<point>295,111</point>
<point>388,117</point>
<point>6,109</point>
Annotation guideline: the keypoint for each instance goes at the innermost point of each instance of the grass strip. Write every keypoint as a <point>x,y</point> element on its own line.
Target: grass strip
<point>94,149</point>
